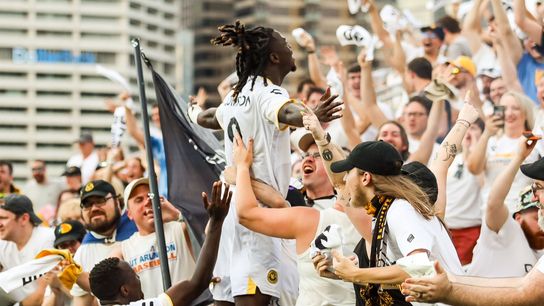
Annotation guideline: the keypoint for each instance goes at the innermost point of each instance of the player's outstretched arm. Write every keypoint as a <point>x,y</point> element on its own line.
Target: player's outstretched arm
<point>185,292</point>
<point>327,110</point>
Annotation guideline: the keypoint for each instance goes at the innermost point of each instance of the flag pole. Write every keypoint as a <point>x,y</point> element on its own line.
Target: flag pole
<point>153,194</point>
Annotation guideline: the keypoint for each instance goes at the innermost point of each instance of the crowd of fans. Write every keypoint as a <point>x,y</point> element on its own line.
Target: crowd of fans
<point>338,198</point>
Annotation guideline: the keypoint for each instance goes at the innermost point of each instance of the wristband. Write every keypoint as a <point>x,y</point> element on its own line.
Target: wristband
<point>464,122</point>
<point>193,112</point>
<point>325,141</point>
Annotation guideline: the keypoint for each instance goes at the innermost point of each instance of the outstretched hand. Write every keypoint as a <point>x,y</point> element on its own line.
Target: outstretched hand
<point>218,208</point>
<point>468,112</point>
<point>427,289</point>
<point>328,110</point>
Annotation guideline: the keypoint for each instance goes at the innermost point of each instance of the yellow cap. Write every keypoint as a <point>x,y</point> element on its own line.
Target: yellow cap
<point>466,63</point>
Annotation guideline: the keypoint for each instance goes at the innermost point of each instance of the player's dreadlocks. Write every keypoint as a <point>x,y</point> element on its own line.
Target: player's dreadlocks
<point>106,279</point>
<point>252,50</point>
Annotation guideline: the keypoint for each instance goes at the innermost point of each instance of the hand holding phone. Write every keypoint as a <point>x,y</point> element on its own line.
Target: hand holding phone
<point>498,110</point>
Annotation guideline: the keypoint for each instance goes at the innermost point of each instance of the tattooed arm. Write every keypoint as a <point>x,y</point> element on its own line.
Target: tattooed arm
<point>448,149</point>
<point>329,151</point>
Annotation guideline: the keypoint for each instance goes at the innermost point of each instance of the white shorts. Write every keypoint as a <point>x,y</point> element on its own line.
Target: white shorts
<point>222,290</point>
<point>255,263</point>
<point>288,268</point>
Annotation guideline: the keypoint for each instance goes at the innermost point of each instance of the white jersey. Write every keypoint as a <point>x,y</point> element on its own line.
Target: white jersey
<point>255,114</point>
<point>141,253</point>
<point>464,201</point>
<point>503,254</point>
<point>162,300</point>
<point>540,265</point>
<point>500,151</point>
<point>316,290</point>
<point>406,231</point>
<point>256,260</point>
<point>41,238</point>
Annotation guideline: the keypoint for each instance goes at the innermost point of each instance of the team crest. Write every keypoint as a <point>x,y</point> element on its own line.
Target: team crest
<point>272,277</point>
<point>65,228</point>
<point>89,187</point>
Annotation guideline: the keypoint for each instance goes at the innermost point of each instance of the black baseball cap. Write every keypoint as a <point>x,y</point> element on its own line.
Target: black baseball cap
<point>376,157</point>
<point>68,231</point>
<point>534,170</point>
<point>20,204</point>
<point>98,188</point>
<point>435,29</point>
<point>72,171</point>
<point>423,177</point>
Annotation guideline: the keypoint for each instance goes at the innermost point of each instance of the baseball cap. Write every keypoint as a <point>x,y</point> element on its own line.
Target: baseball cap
<point>98,188</point>
<point>435,29</point>
<point>130,188</point>
<point>464,62</point>
<point>423,177</point>
<point>534,170</point>
<point>302,139</point>
<point>20,204</point>
<point>72,171</point>
<point>68,231</point>
<point>85,137</point>
<point>376,157</point>
<point>525,202</point>
<point>491,72</point>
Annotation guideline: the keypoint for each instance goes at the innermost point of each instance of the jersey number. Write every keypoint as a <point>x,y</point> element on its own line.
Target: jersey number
<point>233,124</point>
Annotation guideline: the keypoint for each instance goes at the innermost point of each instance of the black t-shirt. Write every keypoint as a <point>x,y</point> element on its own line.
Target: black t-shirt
<point>364,262</point>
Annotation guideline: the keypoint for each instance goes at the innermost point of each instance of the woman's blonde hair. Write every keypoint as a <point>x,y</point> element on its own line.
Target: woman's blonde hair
<point>68,208</point>
<point>402,187</point>
<point>527,105</point>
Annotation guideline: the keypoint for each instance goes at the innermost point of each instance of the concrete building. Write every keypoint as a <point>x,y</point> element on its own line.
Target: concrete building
<point>49,90</point>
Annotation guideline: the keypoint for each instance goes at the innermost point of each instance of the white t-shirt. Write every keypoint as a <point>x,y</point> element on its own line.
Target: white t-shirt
<point>10,256</point>
<point>87,165</point>
<point>41,238</point>
<point>485,58</point>
<point>315,290</point>
<point>141,253</point>
<point>407,231</point>
<point>255,113</point>
<point>88,255</point>
<point>413,52</point>
<point>414,145</point>
<point>503,254</point>
<point>162,300</point>
<point>464,200</point>
<point>540,265</point>
<point>500,152</point>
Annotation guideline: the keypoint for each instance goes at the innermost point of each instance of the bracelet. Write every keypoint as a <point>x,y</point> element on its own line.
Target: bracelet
<point>193,112</point>
<point>464,122</point>
<point>325,141</point>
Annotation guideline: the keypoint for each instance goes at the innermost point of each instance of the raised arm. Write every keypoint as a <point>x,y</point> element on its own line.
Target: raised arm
<point>506,34</point>
<point>509,70</point>
<point>425,149</point>
<point>376,24</point>
<point>368,93</point>
<point>448,149</point>
<point>496,212</point>
<point>185,292</point>
<point>284,223</point>
<point>313,62</point>
<point>476,159</point>
<point>527,25</point>
<point>472,27</point>
<point>132,127</point>
<point>329,151</point>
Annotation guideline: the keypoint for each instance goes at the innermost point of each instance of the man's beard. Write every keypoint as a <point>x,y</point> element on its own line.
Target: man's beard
<point>106,225</point>
<point>359,199</point>
<point>541,219</point>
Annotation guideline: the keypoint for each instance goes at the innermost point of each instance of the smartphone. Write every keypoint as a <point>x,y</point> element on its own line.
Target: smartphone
<point>530,136</point>
<point>498,110</point>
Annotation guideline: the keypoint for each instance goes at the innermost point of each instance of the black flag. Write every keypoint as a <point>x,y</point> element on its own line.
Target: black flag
<point>192,158</point>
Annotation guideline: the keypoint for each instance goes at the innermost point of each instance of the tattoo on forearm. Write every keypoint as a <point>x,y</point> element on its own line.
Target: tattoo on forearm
<point>327,155</point>
<point>451,150</point>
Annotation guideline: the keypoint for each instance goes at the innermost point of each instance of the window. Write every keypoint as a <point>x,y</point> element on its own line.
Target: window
<point>58,34</point>
<point>53,76</point>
